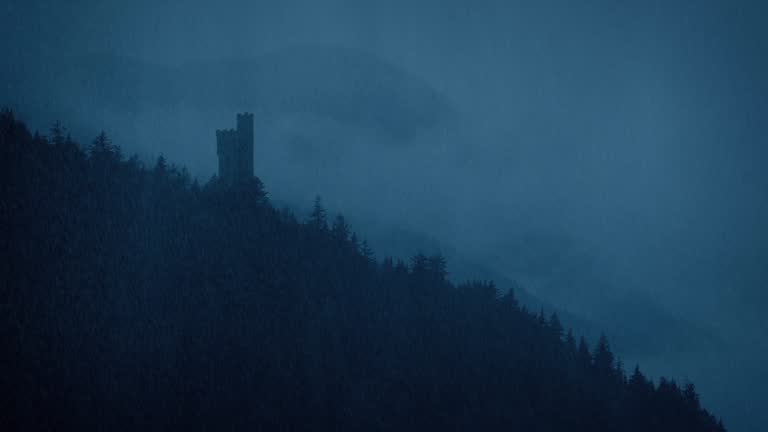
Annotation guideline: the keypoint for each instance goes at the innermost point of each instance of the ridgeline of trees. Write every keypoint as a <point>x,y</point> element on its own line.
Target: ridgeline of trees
<point>135,299</point>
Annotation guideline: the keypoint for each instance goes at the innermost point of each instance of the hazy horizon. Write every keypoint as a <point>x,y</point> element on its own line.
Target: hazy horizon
<point>606,155</point>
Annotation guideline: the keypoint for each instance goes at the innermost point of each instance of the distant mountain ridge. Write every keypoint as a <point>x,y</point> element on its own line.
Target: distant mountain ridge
<point>349,86</point>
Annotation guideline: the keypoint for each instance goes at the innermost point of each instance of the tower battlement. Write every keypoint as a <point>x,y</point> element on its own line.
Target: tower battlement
<point>234,148</point>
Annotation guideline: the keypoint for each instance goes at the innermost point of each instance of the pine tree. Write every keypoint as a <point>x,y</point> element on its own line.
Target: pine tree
<point>603,359</point>
<point>161,166</point>
<point>437,266</point>
<point>583,355</point>
<point>58,134</point>
<point>541,318</point>
<point>419,263</point>
<point>340,229</point>
<point>556,326</point>
<point>366,251</point>
<point>690,395</point>
<point>637,380</point>
<point>509,300</point>
<point>102,150</point>
<point>570,345</point>
<point>317,217</point>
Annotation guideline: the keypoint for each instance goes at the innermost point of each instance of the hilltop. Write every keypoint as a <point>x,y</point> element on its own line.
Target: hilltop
<point>136,298</point>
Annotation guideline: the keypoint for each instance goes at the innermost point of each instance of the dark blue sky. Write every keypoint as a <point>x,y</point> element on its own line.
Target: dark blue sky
<point>633,133</point>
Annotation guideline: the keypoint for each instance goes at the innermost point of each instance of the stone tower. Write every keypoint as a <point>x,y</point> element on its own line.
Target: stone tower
<point>235,150</point>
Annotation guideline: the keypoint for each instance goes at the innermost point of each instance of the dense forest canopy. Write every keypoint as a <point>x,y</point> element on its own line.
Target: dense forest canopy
<point>135,298</point>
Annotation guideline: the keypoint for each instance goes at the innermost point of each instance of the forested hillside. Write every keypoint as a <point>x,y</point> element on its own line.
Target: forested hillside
<point>135,299</point>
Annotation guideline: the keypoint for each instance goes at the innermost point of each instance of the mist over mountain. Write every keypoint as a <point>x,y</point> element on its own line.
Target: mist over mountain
<point>136,298</point>
<point>607,158</point>
<point>328,116</point>
<point>349,87</point>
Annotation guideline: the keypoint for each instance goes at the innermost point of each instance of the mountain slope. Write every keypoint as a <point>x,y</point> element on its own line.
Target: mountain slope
<point>134,299</point>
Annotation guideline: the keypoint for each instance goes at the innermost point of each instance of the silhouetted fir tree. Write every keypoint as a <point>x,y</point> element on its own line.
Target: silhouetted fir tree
<point>317,217</point>
<point>419,264</point>
<point>137,299</point>
<point>437,266</point>
<point>509,300</point>
<point>541,318</point>
<point>366,251</point>
<point>690,395</point>
<point>570,345</point>
<point>58,134</point>
<point>340,229</point>
<point>637,382</point>
<point>103,151</point>
<point>161,167</point>
<point>556,326</point>
<point>621,374</point>
<point>583,356</point>
<point>603,358</point>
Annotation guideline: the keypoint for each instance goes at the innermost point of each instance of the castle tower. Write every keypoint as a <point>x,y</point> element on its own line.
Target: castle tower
<point>234,148</point>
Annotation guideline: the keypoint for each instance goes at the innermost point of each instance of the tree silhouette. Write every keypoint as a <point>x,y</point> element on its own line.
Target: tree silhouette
<point>102,150</point>
<point>603,358</point>
<point>340,229</point>
<point>137,298</point>
<point>317,217</point>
